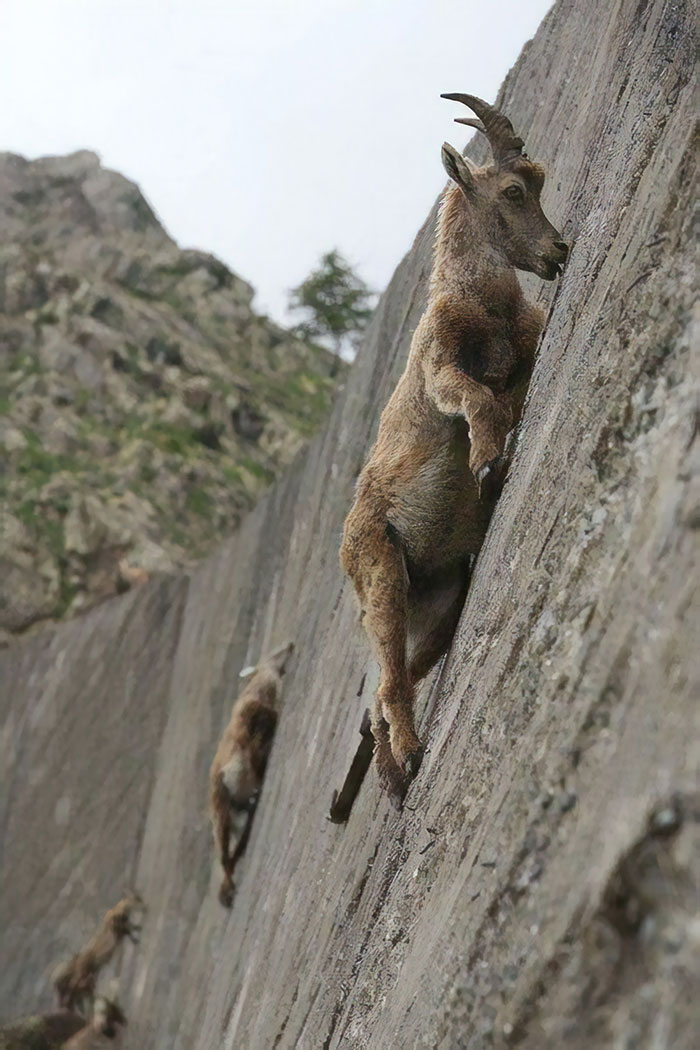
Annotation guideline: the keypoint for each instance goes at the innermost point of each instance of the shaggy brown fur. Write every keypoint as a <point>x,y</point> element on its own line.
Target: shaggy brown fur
<point>74,981</point>
<point>65,1030</point>
<point>106,1024</point>
<point>238,769</point>
<point>41,1031</point>
<point>425,495</point>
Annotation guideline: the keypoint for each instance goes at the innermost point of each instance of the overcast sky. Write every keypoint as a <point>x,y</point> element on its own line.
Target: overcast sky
<point>266,132</point>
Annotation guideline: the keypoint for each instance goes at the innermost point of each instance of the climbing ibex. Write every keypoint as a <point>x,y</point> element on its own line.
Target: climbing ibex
<point>424,497</point>
<point>65,1030</point>
<point>238,768</point>
<point>74,981</point>
<point>41,1031</point>
<point>105,1025</point>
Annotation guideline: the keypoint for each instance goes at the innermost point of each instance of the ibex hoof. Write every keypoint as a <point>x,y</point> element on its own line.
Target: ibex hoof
<point>412,763</point>
<point>226,894</point>
<point>391,779</point>
<point>397,793</point>
<point>491,478</point>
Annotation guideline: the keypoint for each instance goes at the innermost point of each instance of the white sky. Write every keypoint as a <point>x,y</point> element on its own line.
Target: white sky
<point>266,132</point>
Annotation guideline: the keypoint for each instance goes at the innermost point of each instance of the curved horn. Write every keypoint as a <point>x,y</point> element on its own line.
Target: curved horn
<point>471,123</point>
<point>505,144</point>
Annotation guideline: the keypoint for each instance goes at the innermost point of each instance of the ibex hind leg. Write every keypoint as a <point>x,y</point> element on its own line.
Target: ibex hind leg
<point>434,613</point>
<point>384,588</point>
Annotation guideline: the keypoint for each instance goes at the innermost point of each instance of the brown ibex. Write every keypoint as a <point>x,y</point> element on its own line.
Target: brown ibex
<point>105,1025</point>
<point>41,1031</point>
<point>64,1030</point>
<point>238,768</point>
<point>425,494</point>
<point>74,981</point>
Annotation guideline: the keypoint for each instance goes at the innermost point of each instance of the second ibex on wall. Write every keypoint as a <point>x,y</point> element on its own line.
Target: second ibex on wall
<point>424,497</point>
<point>238,769</point>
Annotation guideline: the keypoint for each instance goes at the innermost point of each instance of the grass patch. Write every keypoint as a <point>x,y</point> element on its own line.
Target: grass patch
<point>37,465</point>
<point>66,595</point>
<point>231,474</point>
<point>198,501</point>
<point>169,437</point>
<point>28,364</point>
<point>256,469</point>
<point>43,526</point>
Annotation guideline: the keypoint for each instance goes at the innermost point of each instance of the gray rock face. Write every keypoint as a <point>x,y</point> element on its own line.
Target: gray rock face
<point>128,368</point>
<point>541,887</point>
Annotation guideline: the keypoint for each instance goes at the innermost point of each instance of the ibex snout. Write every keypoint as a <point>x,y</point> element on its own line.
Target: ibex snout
<point>554,256</point>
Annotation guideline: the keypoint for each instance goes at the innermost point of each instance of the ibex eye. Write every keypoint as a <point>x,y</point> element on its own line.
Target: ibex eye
<point>513,193</point>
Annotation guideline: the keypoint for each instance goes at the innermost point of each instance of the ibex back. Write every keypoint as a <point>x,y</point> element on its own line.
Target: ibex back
<point>425,495</point>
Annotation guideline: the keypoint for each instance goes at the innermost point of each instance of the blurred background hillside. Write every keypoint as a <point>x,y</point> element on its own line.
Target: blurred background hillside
<point>144,404</point>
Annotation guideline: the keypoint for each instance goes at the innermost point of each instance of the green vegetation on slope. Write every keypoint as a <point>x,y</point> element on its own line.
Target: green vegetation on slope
<point>144,405</point>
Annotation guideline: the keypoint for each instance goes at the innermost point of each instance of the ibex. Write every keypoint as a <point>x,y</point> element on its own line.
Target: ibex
<point>105,1025</point>
<point>41,1031</point>
<point>65,1030</point>
<point>425,494</point>
<point>74,981</point>
<point>238,768</point>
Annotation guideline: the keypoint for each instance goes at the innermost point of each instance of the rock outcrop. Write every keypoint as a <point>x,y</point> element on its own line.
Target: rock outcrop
<point>144,405</point>
<point>540,889</point>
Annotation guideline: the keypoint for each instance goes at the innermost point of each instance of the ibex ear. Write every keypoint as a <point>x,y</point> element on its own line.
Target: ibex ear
<point>280,656</point>
<point>457,167</point>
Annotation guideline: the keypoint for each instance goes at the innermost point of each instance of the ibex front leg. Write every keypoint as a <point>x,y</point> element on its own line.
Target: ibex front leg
<point>456,393</point>
<point>489,419</point>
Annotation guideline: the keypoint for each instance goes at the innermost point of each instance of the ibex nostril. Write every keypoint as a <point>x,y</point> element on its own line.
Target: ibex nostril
<point>562,246</point>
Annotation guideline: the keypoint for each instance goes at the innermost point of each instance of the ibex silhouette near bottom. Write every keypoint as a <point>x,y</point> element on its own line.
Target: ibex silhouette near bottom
<point>425,495</point>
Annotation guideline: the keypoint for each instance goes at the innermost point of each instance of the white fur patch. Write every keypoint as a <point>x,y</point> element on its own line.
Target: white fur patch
<point>234,775</point>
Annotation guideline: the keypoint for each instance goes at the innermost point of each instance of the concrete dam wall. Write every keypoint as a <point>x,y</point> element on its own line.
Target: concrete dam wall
<point>540,888</point>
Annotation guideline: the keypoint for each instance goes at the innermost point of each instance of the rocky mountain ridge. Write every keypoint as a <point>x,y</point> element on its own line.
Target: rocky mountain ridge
<point>540,889</point>
<point>144,404</point>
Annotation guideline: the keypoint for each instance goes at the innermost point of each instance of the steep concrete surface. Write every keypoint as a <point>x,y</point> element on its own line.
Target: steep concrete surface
<point>541,887</point>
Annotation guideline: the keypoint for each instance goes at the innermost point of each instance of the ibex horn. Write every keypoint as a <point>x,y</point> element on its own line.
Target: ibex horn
<point>472,123</point>
<point>505,144</point>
